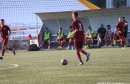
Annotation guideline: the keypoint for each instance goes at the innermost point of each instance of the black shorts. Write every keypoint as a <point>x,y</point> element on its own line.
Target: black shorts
<point>125,34</point>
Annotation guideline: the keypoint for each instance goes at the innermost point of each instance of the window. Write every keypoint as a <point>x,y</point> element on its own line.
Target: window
<point>119,3</point>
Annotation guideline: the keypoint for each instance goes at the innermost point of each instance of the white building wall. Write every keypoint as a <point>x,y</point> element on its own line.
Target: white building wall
<point>128,3</point>
<point>109,3</point>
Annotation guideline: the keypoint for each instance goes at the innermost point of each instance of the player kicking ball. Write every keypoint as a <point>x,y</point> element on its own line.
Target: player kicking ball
<point>78,32</point>
<point>5,32</point>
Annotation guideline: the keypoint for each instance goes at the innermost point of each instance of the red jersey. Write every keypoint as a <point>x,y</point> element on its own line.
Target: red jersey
<point>120,26</point>
<point>79,35</point>
<point>4,31</point>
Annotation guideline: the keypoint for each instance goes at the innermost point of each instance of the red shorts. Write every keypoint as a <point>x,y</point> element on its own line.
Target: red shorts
<point>4,41</point>
<point>78,45</point>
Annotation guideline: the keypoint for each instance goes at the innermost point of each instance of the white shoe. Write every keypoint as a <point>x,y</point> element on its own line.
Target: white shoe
<point>48,47</point>
<point>81,63</point>
<point>68,47</point>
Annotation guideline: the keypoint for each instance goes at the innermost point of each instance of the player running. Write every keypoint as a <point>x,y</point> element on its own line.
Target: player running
<point>5,32</point>
<point>120,31</point>
<point>78,32</point>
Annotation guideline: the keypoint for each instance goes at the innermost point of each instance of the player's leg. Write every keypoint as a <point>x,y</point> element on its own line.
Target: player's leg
<point>85,39</point>
<point>42,44</point>
<point>126,39</point>
<point>111,39</point>
<point>99,40</point>
<point>78,49</point>
<point>92,41</point>
<point>80,46</point>
<point>127,42</point>
<point>106,40</point>
<point>60,44</point>
<point>115,39</point>
<point>79,57</point>
<point>49,42</point>
<point>69,43</point>
<point>3,48</point>
<point>120,39</point>
<point>7,47</point>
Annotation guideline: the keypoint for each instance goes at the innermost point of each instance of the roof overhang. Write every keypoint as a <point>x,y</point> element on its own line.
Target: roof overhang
<point>83,13</point>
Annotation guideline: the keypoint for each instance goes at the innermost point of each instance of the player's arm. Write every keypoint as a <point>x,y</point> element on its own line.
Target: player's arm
<point>76,30</point>
<point>9,32</point>
<point>57,36</point>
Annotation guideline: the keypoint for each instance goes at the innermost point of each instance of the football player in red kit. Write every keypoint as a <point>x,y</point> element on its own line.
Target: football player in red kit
<point>5,32</point>
<point>120,31</point>
<point>78,32</point>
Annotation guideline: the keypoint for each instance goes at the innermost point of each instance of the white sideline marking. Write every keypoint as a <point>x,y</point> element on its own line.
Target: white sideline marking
<point>11,67</point>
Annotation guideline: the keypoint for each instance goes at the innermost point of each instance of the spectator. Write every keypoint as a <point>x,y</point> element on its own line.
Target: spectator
<point>69,40</point>
<point>109,35</point>
<point>46,38</point>
<point>89,36</point>
<point>125,32</point>
<point>101,34</point>
<point>60,37</point>
<point>29,37</point>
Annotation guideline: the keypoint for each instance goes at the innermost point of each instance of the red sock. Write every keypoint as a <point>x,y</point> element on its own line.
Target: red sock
<point>78,54</point>
<point>82,51</point>
<point>3,52</point>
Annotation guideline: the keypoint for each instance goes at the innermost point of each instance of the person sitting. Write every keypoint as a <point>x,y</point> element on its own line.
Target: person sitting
<point>101,35</point>
<point>126,32</point>
<point>60,37</point>
<point>68,39</point>
<point>46,38</point>
<point>89,35</point>
<point>109,35</point>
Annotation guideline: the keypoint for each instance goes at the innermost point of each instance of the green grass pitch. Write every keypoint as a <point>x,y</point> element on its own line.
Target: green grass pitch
<point>106,65</point>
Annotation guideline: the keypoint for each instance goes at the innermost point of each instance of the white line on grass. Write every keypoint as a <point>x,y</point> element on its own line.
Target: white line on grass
<point>10,67</point>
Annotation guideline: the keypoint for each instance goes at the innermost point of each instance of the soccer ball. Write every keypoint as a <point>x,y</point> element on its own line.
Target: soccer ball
<point>64,62</point>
